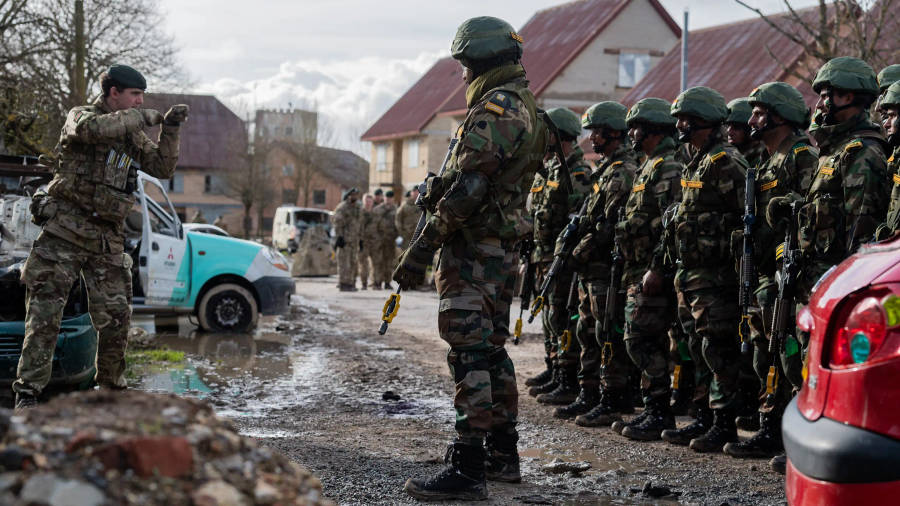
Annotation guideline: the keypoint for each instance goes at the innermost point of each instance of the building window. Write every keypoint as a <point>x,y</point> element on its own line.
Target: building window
<point>319,197</point>
<point>176,184</point>
<point>632,68</point>
<point>212,184</point>
<point>207,184</point>
<point>413,153</point>
<point>381,157</point>
<point>288,196</point>
<point>288,131</point>
<point>288,169</point>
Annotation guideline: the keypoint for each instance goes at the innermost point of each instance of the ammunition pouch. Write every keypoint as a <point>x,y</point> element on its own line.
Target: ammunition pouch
<point>703,239</point>
<point>821,228</point>
<point>635,232</point>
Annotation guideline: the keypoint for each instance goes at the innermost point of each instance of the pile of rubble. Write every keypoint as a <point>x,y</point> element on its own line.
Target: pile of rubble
<point>102,447</point>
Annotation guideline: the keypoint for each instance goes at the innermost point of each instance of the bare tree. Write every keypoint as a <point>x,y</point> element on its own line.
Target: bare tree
<point>863,28</point>
<point>309,160</point>
<point>250,180</point>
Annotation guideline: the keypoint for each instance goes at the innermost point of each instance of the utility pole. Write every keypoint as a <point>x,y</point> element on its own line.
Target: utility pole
<point>79,86</point>
<point>684,51</point>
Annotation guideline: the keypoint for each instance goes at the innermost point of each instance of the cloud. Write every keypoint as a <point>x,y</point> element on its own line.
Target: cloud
<point>349,95</point>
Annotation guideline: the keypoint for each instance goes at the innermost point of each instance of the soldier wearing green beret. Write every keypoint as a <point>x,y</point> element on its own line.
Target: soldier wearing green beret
<point>82,215</point>
<point>739,132</point>
<point>474,208</point>
<point>346,221</point>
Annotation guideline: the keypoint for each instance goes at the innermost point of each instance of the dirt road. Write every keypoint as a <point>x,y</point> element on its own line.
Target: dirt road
<point>364,412</point>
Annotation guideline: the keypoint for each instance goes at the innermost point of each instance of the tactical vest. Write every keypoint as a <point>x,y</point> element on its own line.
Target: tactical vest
<point>97,178</point>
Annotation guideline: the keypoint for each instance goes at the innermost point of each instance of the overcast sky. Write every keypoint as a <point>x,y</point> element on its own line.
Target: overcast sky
<point>348,59</point>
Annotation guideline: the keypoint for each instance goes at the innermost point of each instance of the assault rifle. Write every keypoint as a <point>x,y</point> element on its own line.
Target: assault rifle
<point>525,249</point>
<point>392,305</point>
<point>568,236</point>
<point>789,254</point>
<point>608,324</point>
<point>749,279</point>
<point>565,341</point>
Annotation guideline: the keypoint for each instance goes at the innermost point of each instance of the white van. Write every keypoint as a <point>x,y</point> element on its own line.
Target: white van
<point>290,222</point>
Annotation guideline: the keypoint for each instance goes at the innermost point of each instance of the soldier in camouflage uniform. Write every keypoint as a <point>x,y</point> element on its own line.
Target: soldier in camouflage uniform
<point>83,212</point>
<point>407,216</point>
<point>648,315</point>
<point>739,132</point>
<point>346,222</point>
<point>890,114</point>
<point>603,387</point>
<point>888,76</point>
<point>367,239</point>
<point>555,196</point>
<point>384,251</point>
<point>473,208</point>
<point>705,282</point>
<point>778,119</point>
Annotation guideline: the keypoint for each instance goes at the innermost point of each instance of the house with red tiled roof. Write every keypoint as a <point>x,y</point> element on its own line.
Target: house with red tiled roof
<point>575,54</point>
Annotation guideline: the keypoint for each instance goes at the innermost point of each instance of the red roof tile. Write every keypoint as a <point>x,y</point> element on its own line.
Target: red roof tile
<point>732,58</point>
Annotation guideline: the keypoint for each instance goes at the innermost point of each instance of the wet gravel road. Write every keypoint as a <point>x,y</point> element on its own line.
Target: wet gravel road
<point>365,412</point>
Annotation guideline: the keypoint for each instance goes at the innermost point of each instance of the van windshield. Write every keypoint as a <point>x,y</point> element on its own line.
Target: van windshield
<point>310,217</point>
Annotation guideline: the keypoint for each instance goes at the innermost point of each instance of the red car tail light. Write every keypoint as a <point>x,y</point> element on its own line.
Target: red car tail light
<point>866,331</point>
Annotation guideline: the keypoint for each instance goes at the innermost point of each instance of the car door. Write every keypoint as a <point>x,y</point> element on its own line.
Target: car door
<point>164,262</point>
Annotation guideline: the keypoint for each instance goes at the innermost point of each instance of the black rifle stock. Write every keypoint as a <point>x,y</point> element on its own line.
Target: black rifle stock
<point>789,254</point>
<point>607,325</point>
<point>525,249</point>
<point>749,280</point>
<point>392,305</point>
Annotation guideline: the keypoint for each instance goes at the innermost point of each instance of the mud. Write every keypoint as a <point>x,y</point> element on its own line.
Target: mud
<point>365,412</point>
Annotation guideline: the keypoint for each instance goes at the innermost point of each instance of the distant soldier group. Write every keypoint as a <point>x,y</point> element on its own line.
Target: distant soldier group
<point>670,272</point>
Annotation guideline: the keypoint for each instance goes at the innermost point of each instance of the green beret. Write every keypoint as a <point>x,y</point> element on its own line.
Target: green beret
<point>126,77</point>
<point>378,192</point>
<point>349,192</point>
<point>389,193</point>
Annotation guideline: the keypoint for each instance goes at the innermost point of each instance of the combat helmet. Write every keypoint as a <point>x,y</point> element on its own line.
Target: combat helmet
<point>891,99</point>
<point>654,111</point>
<point>485,41</point>
<point>566,121</point>
<point>701,102</point>
<point>888,76</point>
<point>739,111</point>
<point>607,114</point>
<point>847,73</point>
<point>784,100</point>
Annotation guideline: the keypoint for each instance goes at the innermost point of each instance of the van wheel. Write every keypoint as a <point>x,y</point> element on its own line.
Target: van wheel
<point>228,308</point>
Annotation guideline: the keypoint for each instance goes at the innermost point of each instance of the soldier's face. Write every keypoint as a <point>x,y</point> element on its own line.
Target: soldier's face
<point>830,104</point>
<point>737,136</point>
<point>467,74</point>
<point>889,117</point>
<point>129,98</point>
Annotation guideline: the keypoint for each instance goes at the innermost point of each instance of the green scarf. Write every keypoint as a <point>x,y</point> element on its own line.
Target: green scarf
<point>828,136</point>
<point>490,80</point>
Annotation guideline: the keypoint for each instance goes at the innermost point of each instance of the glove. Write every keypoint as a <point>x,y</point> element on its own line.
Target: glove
<point>360,246</point>
<point>411,269</point>
<point>152,117</point>
<point>176,115</point>
<point>339,242</point>
<point>779,208</point>
<point>652,283</point>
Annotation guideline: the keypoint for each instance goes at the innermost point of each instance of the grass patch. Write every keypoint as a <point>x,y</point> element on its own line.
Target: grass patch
<point>154,355</point>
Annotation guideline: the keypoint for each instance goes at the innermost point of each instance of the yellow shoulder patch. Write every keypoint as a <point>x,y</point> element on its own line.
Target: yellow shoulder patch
<point>891,159</point>
<point>768,186</point>
<point>853,145</point>
<point>687,183</point>
<point>552,184</point>
<point>459,131</point>
<point>657,162</point>
<point>596,188</point>
<point>494,108</point>
<point>638,188</point>
<point>800,149</point>
<point>896,178</point>
<point>536,189</point>
<point>716,157</point>
<point>827,170</point>
<point>620,162</point>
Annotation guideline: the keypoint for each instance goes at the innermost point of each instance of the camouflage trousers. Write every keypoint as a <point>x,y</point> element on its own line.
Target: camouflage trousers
<point>604,360</point>
<point>469,279</point>
<point>384,260</point>
<point>364,264</point>
<point>507,293</point>
<point>647,322</point>
<point>710,316</point>
<point>48,275</point>
<point>347,263</point>
<point>559,341</point>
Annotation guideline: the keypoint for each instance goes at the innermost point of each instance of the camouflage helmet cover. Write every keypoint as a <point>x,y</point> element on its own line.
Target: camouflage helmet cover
<point>655,111</point>
<point>888,76</point>
<point>892,96</point>
<point>702,102</point>
<point>485,38</point>
<point>739,111</point>
<point>782,99</point>
<point>566,121</point>
<point>607,114</point>
<point>847,73</point>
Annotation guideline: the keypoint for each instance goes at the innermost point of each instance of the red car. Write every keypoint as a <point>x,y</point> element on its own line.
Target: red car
<point>842,432</point>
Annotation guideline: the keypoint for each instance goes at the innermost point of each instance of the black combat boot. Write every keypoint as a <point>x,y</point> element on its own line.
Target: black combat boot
<point>747,422</point>
<point>658,419</point>
<point>723,431</point>
<point>619,425</point>
<point>587,398</point>
<point>502,463</point>
<point>25,401</point>
<point>613,404</point>
<point>698,427</point>
<point>547,387</point>
<point>543,377</point>
<point>681,401</point>
<point>463,478</point>
<point>564,393</point>
<point>779,463</point>
<point>765,443</point>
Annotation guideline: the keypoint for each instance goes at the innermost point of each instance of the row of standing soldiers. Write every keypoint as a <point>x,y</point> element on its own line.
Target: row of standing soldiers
<point>650,245</point>
<point>365,236</point>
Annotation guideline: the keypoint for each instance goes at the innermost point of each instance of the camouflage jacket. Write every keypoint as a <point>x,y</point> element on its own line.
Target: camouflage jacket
<point>755,153</point>
<point>367,230</point>
<point>346,221</point>
<point>788,170</point>
<point>406,219</point>
<point>552,201</point>
<point>500,145</point>
<point>712,203</point>
<point>848,195</point>
<point>94,177</point>
<point>383,222</point>
<point>657,185</point>
<point>892,223</point>
<point>611,183</point>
